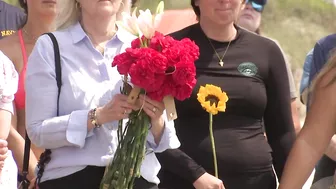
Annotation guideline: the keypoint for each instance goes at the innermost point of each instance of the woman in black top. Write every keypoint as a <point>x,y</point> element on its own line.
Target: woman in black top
<point>252,71</point>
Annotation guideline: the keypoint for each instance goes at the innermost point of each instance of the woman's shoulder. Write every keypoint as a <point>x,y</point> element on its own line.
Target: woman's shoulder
<point>45,42</point>
<point>183,33</point>
<point>258,39</point>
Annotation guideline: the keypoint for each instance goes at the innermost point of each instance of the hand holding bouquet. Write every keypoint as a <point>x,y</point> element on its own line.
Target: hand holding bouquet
<point>160,68</point>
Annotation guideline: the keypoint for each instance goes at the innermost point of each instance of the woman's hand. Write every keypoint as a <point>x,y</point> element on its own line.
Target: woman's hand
<point>3,152</point>
<point>154,110</point>
<point>118,108</point>
<point>207,181</point>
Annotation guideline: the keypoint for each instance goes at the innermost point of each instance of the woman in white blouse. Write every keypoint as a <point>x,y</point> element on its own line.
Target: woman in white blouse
<point>88,41</point>
<point>8,87</point>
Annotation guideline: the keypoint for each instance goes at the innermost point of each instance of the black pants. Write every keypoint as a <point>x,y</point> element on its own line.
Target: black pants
<point>88,178</point>
<point>325,168</point>
<point>263,180</point>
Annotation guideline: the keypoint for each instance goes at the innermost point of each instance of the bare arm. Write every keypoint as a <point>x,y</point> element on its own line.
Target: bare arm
<point>315,136</point>
<point>16,145</point>
<point>295,115</point>
<point>5,123</point>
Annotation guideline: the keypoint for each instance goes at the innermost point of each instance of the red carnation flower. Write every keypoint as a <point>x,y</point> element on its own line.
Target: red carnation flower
<point>148,72</point>
<point>190,48</point>
<point>166,89</point>
<point>165,67</point>
<point>183,92</point>
<point>174,54</point>
<point>136,43</point>
<point>123,62</point>
<point>160,42</point>
<point>185,71</point>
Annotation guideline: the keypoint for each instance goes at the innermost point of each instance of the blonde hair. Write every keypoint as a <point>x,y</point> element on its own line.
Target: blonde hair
<point>70,12</point>
<point>327,75</point>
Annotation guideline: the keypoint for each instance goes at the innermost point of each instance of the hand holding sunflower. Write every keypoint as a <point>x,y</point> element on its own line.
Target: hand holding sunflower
<point>213,100</point>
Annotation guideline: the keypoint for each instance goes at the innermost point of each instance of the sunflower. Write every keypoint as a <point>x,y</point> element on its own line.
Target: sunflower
<point>212,99</point>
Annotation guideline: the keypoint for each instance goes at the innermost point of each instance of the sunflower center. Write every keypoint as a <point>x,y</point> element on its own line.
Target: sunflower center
<point>213,99</point>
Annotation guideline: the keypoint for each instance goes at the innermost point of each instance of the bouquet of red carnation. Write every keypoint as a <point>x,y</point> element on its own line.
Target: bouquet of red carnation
<point>161,68</point>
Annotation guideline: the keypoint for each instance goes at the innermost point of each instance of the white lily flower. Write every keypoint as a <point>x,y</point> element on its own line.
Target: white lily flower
<point>148,22</point>
<point>130,23</point>
<point>145,24</point>
<point>145,21</point>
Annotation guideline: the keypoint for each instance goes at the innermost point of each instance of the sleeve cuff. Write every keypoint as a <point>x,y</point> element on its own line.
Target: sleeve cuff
<point>197,174</point>
<point>77,132</point>
<point>168,140</point>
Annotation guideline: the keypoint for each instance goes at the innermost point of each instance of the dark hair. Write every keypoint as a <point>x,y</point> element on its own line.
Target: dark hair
<point>24,6</point>
<point>196,8</point>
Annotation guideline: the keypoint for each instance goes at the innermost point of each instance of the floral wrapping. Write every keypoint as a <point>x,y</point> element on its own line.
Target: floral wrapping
<point>8,87</point>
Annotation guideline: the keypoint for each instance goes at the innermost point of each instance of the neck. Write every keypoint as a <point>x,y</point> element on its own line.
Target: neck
<point>100,30</point>
<point>222,33</point>
<point>37,25</point>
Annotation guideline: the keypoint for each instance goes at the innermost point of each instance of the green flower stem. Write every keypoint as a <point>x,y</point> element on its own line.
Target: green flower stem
<point>213,144</point>
<point>130,153</point>
<point>133,160</point>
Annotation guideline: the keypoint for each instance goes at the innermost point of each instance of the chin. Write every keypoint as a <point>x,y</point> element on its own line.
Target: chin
<point>49,13</point>
<point>106,11</point>
<point>221,21</point>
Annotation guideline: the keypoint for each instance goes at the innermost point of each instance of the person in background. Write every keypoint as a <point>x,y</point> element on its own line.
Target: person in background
<point>304,85</point>
<point>323,51</point>
<point>83,137</point>
<point>11,19</point>
<point>17,47</point>
<point>252,71</point>
<point>250,19</point>
<point>8,87</point>
<point>319,127</point>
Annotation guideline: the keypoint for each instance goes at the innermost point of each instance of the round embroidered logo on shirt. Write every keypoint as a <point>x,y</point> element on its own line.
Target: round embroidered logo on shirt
<point>248,69</point>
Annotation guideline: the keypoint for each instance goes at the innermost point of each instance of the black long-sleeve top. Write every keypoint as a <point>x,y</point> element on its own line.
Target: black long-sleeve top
<point>255,79</point>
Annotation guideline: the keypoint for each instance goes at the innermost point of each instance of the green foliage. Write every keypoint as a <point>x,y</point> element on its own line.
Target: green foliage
<point>13,2</point>
<point>298,24</point>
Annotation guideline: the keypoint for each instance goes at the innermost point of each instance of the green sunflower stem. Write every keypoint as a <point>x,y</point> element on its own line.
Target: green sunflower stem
<point>213,144</point>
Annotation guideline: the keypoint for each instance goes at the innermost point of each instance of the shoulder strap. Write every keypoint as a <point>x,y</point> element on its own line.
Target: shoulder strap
<point>58,68</point>
<point>58,71</point>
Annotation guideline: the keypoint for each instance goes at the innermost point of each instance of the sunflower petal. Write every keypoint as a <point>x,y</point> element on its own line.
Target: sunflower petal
<point>212,91</point>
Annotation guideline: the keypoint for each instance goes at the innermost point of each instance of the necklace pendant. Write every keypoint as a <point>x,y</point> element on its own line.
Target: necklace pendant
<point>221,63</point>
